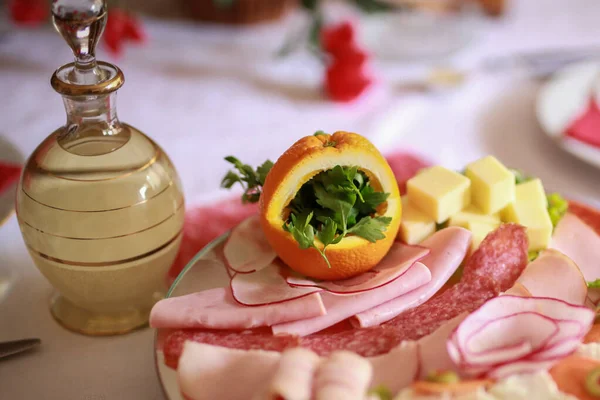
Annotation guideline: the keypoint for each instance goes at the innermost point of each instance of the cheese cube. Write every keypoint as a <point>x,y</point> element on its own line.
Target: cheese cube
<point>416,226</point>
<point>530,210</point>
<point>531,192</point>
<point>492,184</point>
<point>439,192</point>
<point>479,231</point>
<point>472,213</point>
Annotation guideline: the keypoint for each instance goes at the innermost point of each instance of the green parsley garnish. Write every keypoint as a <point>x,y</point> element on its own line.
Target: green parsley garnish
<point>594,284</point>
<point>333,204</point>
<point>520,176</point>
<point>532,255</point>
<point>557,207</point>
<point>382,392</point>
<point>250,179</point>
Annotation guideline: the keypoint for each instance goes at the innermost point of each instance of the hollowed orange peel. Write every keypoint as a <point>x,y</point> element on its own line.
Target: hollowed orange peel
<point>305,159</point>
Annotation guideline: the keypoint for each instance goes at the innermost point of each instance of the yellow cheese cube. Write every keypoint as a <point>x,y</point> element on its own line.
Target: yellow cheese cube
<point>531,192</point>
<point>492,184</point>
<point>479,231</point>
<point>530,210</point>
<point>439,192</point>
<point>472,213</point>
<point>416,226</point>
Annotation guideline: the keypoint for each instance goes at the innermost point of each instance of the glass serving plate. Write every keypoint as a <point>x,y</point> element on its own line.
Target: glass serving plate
<point>206,270</point>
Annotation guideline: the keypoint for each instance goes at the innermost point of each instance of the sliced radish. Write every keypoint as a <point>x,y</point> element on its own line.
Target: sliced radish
<point>247,249</point>
<point>540,278</point>
<point>266,286</point>
<point>511,334</point>
<point>400,257</point>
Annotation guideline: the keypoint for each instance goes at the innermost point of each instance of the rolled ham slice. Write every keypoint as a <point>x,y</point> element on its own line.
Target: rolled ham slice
<point>293,379</point>
<point>448,248</point>
<point>400,257</point>
<point>580,243</point>
<point>209,372</point>
<point>554,275</point>
<point>216,309</point>
<point>343,376</point>
<point>341,307</point>
<point>247,249</point>
<point>266,286</point>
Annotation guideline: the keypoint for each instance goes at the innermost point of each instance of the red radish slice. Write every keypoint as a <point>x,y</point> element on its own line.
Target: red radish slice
<point>267,286</point>
<point>247,249</point>
<point>540,278</point>
<point>400,257</point>
<point>510,334</point>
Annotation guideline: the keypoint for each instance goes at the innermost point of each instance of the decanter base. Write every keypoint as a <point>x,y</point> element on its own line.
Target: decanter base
<point>92,323</point>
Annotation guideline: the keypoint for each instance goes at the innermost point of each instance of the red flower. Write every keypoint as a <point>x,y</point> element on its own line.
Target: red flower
<point>346,77</point>
<point>345,82</point>
<point>335,37</point>
<point>28,12</point>
<point>122,27</point>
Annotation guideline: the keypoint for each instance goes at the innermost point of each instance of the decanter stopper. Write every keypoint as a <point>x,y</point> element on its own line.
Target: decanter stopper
<point>81,23</point>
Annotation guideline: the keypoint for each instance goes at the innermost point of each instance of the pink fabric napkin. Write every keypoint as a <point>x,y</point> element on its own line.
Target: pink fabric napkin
<point>586,128</point>
<point>205,223</point>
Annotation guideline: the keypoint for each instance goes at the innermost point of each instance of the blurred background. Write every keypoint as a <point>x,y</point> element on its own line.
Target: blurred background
<point>447,79</point>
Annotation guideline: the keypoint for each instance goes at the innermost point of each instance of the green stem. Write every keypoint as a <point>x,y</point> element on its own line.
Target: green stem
<point>322,252</point>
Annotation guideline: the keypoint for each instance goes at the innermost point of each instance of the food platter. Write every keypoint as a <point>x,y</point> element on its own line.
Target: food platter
<point>561,100</point>
<point>205,271</point>
<point>450,287</point>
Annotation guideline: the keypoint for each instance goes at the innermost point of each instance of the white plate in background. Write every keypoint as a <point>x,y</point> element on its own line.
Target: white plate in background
<point>562,100</point>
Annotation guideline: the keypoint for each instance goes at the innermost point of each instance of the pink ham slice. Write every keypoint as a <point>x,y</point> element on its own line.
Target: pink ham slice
<point>433,354</point>
<point>580,243</point>
<point>342,376</point>
<point>540,278</point>
<point>293,379</point>
<point>400,257</point>
<point>207,372</point>
<point>341,307</point>
<point>448,249</point>
<point>518,290</point>
<point>216,309</point>
<point>247,249</point>
<point>266,286</point>
<point>396,369</point>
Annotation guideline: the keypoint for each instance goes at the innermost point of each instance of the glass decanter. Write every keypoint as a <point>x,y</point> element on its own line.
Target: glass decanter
<point>99,204</point>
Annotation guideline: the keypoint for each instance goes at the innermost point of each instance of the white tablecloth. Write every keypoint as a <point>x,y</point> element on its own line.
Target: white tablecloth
<point>203,93</point>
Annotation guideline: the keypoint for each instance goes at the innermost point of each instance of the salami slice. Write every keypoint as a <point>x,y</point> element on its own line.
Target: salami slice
<point>587,214</point>
<point>367,342</point>
<point>502,256</point>
<point>256,339</point>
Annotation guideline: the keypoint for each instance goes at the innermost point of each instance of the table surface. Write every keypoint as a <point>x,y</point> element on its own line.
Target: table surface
<point>205,92</point>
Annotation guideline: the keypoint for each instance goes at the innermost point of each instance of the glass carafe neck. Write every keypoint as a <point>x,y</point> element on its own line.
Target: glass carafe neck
<point>93,127</point>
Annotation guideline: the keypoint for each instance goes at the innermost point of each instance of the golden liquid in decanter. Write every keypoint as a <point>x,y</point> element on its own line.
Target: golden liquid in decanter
<point>101,215</point>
